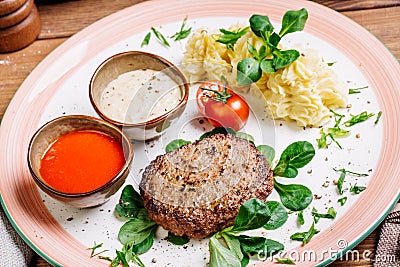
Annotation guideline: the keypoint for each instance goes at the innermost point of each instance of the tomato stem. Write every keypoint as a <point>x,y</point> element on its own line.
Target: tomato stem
<point>219,96</point>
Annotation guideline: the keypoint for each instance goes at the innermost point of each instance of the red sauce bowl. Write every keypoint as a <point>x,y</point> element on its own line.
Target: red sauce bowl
<point>44,141</point>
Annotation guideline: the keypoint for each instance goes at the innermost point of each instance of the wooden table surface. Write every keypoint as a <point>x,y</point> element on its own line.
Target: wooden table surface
<point>61,19</point>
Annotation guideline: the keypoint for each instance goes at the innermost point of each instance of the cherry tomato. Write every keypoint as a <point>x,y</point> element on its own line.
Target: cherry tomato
<point>221,106</point>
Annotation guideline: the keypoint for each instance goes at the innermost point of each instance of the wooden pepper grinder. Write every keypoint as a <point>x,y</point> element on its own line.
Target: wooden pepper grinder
<point>19,24</point>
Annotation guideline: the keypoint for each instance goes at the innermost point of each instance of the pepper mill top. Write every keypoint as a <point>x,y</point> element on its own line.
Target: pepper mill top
<point>19,24</point>
<point>9,6</point>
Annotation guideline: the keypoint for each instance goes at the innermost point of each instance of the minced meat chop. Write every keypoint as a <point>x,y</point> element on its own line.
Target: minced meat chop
<point>198,189</point>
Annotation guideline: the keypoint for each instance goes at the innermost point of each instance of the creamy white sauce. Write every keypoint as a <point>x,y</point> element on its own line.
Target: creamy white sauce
<point>139,96</point>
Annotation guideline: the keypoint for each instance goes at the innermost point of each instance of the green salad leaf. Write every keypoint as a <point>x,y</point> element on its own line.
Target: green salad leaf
<point>295,156</point>
<point>175,144</point>
<point>222,256</point>
<point>259,245</point>
<point>249,71</point>
<point>177,240</point>
<point>136,230</point>
<point>295,197</point>
<point>268,152</point>
<point>130,203</point>
<point>233,244</point>
<point>270,58</point>
<point>278,215</point>
<point>245,136</point>
<point>218,130</point>
<point>293,21</point>
<point>252,214</point>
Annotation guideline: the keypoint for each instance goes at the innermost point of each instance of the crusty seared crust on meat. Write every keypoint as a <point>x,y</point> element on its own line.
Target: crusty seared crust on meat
<point>198,189</point>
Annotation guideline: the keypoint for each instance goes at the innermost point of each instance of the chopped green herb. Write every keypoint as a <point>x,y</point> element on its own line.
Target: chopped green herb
<point>121,258</point>
<point>355,189</point>
<point>343,173</point>
<point>378,117</point>
<point>146,39</point>
<point>332,132</point>
<point>106,258</point>
<point>338,132</point>
<point>331,214</point>
<point>363,116</point>
<point>136,259</point>
<point>322,142</point>
<point>285,261</point>
<point>182,33</point>
<point>338,118</point>
<point>342,200</point>
<point>330,64</point>
<point>229,38</point>
<point>93,249</point>
<point>300,217</point>
<point>340,182</point>
<point>305,237</point>
<point>160,37</point>
<point>334,140</point>
<point>351,172</point>
<point>125,256</point>
<point>356,90</point>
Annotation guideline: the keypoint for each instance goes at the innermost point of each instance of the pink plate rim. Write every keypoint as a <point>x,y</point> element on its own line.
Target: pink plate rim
<point>20,197</point>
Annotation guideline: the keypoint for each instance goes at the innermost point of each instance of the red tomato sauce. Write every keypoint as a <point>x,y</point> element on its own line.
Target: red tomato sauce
<point>81,161</point>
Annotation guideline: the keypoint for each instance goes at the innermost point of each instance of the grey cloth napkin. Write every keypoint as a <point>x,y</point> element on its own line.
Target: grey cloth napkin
<point>388,249</point>
<point>13,250</point>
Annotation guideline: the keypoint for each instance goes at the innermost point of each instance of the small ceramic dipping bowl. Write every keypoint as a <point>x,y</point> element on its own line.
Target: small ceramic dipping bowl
<point>96,155</point>
<point>142,93</point>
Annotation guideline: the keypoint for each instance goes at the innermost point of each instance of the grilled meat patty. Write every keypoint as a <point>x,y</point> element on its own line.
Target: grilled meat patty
<point>198,189</point>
